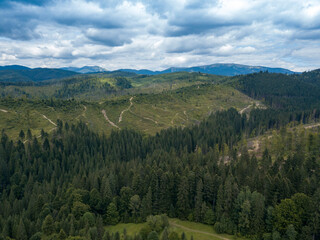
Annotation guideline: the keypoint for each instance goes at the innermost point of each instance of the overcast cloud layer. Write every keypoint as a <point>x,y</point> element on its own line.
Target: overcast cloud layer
<point>157,34</point>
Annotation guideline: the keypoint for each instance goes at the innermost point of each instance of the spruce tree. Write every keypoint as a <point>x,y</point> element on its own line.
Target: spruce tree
<point>48,225</point>
<point>198,202</point>
<point>183,198</point>
<point>22,233</point>
<point>112,215</point>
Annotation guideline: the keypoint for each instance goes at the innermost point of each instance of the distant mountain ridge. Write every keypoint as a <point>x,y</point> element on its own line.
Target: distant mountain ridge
<point>225,69</point>
<point>17,73</point>
<point>85,69</point>
<point>13,67</point>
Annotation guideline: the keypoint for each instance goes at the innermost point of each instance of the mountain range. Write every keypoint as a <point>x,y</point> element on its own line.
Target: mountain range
<point>224,69</point>
<point>17,73</point>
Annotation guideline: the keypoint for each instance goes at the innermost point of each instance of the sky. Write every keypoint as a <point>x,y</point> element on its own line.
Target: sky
<point>157,34</point>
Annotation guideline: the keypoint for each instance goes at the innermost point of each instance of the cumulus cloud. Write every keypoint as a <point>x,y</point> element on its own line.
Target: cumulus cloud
<point>159,34</point>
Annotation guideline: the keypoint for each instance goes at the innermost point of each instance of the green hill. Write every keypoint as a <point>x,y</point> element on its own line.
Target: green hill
<point>95,87</point>
<point>147,113</point>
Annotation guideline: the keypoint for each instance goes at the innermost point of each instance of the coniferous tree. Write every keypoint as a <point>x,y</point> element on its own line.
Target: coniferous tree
<point>146,205</point>
<point>48,225</point>
<point>62,235</point>
<point>22,233</point>
<point>29,135</point>
<point>198,202</point>
<point>135,206</point>
<point>244,217</point>
<point>21,134</point>
<point>112,215</point>
<point>183,198</point>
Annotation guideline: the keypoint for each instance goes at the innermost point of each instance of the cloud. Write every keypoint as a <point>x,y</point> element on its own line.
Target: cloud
<point>196,18</point>
<point>159,34</point>
<point>27,2</point>
<point>109,37</point>
<point>17,22</point>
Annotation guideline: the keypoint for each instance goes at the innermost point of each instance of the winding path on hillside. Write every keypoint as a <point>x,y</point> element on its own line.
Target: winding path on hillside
<point>244,109</point>
<point>109,121</point>
<point>127,109</point>
<point>150,119</point>
<point>174,118</point>
<point>256,104</point>
<point>49,119</point>
<point>312,125</point>
<point>197,231</point>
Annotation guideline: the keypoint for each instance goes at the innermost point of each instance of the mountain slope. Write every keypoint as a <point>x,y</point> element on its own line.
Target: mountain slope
<point>33,75</point>
<point>312,77</point>
<point>289,92</point>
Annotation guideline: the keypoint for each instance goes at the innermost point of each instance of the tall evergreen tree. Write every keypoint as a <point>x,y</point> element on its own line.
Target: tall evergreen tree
<point>112,215</point>
<point>198,202</point>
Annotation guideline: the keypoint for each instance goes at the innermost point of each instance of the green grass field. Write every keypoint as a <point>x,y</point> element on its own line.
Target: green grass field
<point>199,231</point>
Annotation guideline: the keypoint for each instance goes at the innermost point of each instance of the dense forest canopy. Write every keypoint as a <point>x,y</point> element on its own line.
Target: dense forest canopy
<point>286,92</point>
<point>59,182</point>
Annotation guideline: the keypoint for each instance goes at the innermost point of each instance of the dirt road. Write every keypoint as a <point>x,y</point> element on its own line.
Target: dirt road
<point>127,109</point>
<point>106,117</point>
<point>49,119</point>
<point>312,126</point>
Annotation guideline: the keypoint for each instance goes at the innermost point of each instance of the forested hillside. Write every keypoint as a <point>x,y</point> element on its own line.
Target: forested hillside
<point>74,181</point>
<point>287,92</point>
<point>97,86</point>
